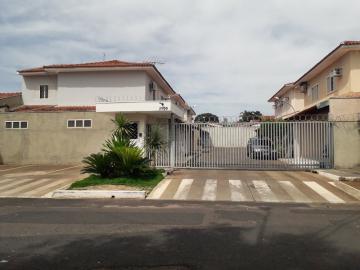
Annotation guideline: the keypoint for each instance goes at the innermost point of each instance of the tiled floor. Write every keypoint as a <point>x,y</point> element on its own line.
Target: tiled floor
<point>35,180</point>
<point>261,186</point>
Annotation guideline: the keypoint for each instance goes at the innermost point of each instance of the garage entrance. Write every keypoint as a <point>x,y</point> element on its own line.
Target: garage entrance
<point>250,145</point>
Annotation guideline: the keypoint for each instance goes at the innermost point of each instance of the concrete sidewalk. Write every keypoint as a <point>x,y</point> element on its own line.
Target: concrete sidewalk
<point>341,174</point>
<point>36,181</point>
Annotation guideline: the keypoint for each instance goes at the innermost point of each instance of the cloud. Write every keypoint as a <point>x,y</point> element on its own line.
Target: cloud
<point>223,56</point>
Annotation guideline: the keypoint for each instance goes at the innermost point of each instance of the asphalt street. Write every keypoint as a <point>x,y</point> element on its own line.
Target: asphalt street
<point>114,234</point>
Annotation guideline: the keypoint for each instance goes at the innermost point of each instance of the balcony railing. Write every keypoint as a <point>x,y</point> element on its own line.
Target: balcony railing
<point>121,104</point>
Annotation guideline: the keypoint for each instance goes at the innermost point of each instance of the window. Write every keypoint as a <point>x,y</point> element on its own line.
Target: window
<point>44,91</point>
<point>134,129</point>
<point>87,123</point>
<point>79,123</point>
<point>331,84</point>
<point>16,124</point>
<point>314,92</point>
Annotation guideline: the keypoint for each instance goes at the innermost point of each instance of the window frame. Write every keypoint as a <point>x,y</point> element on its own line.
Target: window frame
<point>330,81</point>
<point>44,93</point>
<point>17,121</point>
<point>311,92</point>
<point>83,122</point>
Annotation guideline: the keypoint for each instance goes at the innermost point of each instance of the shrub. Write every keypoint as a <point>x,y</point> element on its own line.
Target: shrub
<point>120,157</point>
<point>99,164</point>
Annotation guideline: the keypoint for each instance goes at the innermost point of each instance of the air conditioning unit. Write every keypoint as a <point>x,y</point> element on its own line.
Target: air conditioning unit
<point>303,87</point>
<point>337,72</point>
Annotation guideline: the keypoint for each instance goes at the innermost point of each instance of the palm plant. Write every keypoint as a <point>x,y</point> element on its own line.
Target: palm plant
<point>120,156</point>
<point>154,142</point>
<point>99,164</point>
<point>123,127</point>
<point>130,161</point>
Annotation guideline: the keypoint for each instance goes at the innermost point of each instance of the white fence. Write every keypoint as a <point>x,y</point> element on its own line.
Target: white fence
<point>267,145</point>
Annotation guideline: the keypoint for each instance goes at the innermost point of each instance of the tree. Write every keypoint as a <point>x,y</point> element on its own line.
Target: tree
<point>247,116</point>
<point>206,117</point>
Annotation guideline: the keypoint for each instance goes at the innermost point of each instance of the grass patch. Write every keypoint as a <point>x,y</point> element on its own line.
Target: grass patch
<point>143,182</point>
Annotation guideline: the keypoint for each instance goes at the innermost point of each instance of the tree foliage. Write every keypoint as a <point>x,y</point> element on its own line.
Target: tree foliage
<point>247,116</point>
<point>206,117</point>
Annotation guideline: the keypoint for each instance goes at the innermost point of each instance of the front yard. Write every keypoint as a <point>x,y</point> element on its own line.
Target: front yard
<point>94,182</point>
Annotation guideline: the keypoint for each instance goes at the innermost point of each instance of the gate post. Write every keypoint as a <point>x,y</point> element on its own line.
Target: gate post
<point>172,141</point>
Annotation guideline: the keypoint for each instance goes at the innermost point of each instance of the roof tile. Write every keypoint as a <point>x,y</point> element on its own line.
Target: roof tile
<point>110,63</point>
<point>11,94</point>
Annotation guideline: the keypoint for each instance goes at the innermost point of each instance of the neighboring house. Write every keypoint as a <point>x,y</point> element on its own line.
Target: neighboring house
<point>66,110</point>
<point>331,87</point>
<point>9,101</point>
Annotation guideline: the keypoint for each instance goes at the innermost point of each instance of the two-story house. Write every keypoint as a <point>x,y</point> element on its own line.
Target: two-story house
<point>330,88</point>
<point>66,110</point>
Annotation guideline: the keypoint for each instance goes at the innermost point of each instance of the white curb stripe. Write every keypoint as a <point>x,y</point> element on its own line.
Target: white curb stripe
<point>183,189</point>
<point>323,192</point>
<point>264,191</point>
<point>26,186</point>
<point>294,192</point>
<point>12,184</point>
<point>237,191</point>
<point>159,190</point>
<point>209,193</point>
<point>47,188</point>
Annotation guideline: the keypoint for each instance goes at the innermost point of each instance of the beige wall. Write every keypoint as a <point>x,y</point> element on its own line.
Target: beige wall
<point>48,140</point>
<point>344,107</point>
<point>346,134</point>
<point>349,81</point>
<point>346,144</point>
<point>355,71</point>
<point>296,99</point>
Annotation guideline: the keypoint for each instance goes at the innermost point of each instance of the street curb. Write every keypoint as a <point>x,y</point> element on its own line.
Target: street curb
<point>336,177</point>
<point>99,194</point>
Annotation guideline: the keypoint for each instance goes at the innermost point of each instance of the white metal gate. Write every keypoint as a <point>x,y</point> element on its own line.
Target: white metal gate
<point>249,145</point>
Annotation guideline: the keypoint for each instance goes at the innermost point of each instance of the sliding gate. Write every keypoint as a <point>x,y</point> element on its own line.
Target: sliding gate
<point>267,145</point>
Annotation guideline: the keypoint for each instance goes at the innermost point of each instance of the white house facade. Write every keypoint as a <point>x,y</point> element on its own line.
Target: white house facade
<point>85,94</point>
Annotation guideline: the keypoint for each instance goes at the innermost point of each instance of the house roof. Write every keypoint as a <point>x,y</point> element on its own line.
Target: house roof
<point>102,64</point>
<point>116,64</point>
<point>286,87</point>
<point>332,56</point>
<point>53,108</point>
<point>11,94</point>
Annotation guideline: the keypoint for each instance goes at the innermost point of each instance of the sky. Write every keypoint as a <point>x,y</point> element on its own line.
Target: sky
<point>223,57</point>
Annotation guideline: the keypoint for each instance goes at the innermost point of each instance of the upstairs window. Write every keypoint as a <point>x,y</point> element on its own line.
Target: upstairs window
<point>16,124</point>
<point>44,91</point>
<point>314,92</point>
<point>331,85</point>
<point>79,123</point>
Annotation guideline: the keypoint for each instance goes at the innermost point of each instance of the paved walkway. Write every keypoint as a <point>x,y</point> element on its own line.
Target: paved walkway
<point>261,186</point>
<point>33,181</point>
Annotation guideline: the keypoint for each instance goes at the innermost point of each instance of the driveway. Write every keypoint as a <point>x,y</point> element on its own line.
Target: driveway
<point>259,186</point>
<point>34,181</point>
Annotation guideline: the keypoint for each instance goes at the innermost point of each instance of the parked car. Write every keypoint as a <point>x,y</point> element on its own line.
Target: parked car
<point>261,148</point>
